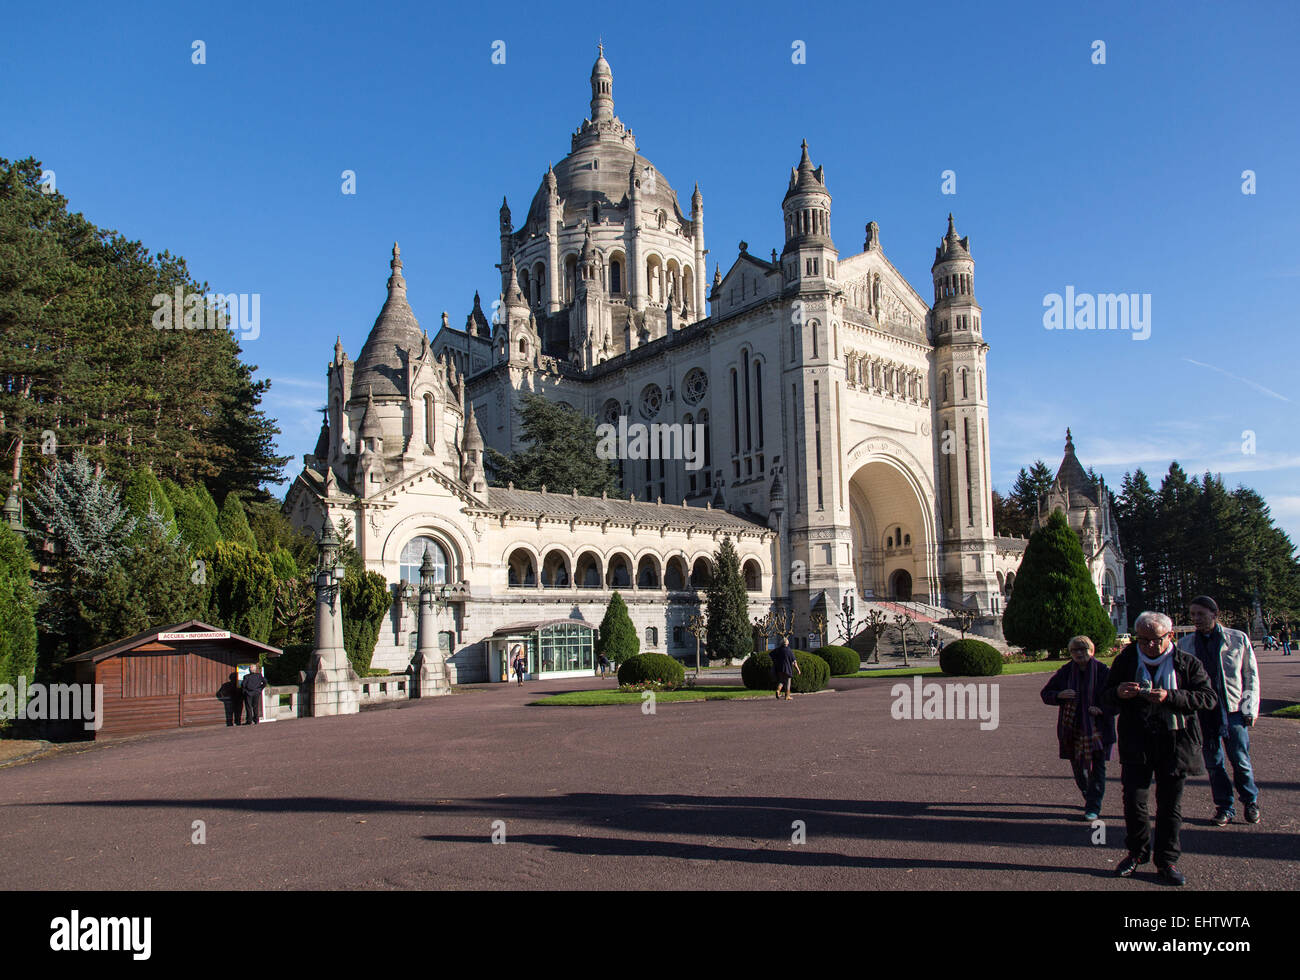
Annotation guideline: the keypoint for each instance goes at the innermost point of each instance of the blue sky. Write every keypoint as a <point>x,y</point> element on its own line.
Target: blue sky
<point>1116,177</point>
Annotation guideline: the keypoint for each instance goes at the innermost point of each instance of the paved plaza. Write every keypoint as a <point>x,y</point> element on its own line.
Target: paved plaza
<point>699,795</point>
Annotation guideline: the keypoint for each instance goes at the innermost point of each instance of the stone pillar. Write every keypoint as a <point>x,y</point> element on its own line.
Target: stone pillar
<point>431,670</point>
<point>334,685</point>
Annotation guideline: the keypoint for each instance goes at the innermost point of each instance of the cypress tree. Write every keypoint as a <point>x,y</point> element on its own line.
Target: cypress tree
<point>241,589</point>
<point>197,528</point>
<point>730,633</point>
<point>617,639</point>
<point>17,610</point>
<point>143,494</point>
<point>561,454</point>
<point>233,524</point>
<point>1055,598</point>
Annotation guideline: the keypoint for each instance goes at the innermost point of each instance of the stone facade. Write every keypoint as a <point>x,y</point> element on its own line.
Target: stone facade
<point>845,415</point>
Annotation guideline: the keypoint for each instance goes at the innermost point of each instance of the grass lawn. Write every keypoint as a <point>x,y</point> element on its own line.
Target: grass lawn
<point>1290,711</point>
<point>710,693</point>
<point>1028,667</point>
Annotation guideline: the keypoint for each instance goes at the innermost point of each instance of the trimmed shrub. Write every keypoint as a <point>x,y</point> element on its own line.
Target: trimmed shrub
<point>842,660</point>
<point>814,672</point>
<point>756,672</point>
<point>652,667</point>
<point>970,658</point>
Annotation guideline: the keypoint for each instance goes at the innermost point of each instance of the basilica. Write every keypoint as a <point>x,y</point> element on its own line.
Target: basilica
<point>843,416</point>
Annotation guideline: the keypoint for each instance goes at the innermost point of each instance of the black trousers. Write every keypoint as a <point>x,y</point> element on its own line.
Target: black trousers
<point>1136,781</point>
<point>252,708</point>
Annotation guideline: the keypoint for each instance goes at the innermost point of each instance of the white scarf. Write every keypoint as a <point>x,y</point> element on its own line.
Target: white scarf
<point>1159,672</point>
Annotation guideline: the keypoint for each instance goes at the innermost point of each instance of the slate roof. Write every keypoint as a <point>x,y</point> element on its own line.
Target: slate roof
<point>616,509</point>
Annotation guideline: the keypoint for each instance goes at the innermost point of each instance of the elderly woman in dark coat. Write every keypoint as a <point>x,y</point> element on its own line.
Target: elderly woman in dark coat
<point>1084,728</point>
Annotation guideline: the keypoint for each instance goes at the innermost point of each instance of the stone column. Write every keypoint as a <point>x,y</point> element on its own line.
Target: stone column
<point>334,685</point>
<point>431,669</point>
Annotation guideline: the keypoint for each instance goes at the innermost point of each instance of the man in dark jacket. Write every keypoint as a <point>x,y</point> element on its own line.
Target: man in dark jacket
<point>1157,690</point>
<point>784,667</point>
<point>230,695</point>
<point>252,686</point>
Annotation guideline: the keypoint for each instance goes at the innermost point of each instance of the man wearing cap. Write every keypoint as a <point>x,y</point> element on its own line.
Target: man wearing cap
<point>1227,657</point>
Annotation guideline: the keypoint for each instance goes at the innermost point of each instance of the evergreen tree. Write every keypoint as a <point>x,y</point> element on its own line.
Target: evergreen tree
<point>561,454</point>
<point>81,356</point>
<point>241,589</point>
<point>17,610</point>
<point>81,514</point>
<point>617,638</point>
<point>152,587</point>
<point>1029,486</point>
<point>205,501</point>
<point>232,523</point>
<point>366,601</point>
<point>1055,598</point>
<point>143,494</point>
<point>730,633</point>
<point>198,529</point>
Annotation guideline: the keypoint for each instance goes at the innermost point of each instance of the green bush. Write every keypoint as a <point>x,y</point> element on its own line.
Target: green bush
<point>284,668</point>
<point>652,667</point>
<point>970,658</point>
<point>756,672</point>
<point>842,660</point>
<point>814,672</point>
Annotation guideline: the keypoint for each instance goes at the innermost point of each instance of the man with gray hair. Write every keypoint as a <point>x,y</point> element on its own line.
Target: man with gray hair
<point>1157,690</point>
<point>1229,661</point>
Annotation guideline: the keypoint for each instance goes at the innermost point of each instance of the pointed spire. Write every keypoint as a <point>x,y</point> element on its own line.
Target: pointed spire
<point>1069,442</point>
<point>952,230</point>
<point>396,284</point>
<point>338,349</point>
<point>514,295</point>
<point>805,160</point>
<point>473,437</point>
<point>602,88</point>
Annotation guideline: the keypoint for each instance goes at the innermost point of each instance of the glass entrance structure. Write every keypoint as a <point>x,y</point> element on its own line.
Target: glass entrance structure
<point>553,648</point>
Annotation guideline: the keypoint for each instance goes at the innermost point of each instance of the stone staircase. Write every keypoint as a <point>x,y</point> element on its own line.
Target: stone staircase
<point>925,617</point>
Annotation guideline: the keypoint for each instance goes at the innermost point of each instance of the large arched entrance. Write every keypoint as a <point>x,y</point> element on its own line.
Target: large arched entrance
<point>894,553</point>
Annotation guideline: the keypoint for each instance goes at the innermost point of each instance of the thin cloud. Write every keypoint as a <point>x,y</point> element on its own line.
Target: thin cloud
<point>1236,377</point>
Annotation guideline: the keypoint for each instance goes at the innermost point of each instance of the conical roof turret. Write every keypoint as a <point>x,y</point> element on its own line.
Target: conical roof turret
<point>381,366</point>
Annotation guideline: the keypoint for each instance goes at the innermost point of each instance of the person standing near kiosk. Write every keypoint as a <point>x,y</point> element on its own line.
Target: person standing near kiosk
<point>252,686</point>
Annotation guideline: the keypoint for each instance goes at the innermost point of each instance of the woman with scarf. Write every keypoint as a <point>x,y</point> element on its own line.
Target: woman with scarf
<point>1084,729</point>
<point>1157,690</point>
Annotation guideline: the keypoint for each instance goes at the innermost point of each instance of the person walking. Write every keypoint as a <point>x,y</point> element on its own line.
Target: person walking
<point>1157,690</point>
<point>232,699</point>
<point>603,662</point>
<point>1085,730</point>
<point>520,665</point>
<point>934,641</point>
<point>1284,637</point>
<point>252,686</point>
<point>1229,661</point>
<point>784,667</point>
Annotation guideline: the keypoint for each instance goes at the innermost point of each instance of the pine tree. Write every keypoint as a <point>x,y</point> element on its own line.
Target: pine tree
<point>731,635</point>
<point>561,454</point>
<point>232,523</point>
<point>1055,598</point>
<point>18,604</point>
<point>617,638</point>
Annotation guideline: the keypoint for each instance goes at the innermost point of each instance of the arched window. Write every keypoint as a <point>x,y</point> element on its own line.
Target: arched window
<point>523,346</point>
<point>428,421</point>
<point>963,384</point>
<point>616,276</point>
<point>651,637</point>
<point>943,384</point>
<point>413,556</point>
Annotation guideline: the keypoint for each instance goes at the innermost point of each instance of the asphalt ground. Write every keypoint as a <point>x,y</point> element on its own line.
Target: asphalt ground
<point>705,795</point>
